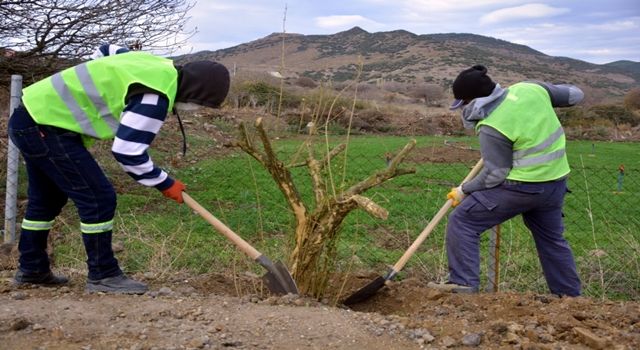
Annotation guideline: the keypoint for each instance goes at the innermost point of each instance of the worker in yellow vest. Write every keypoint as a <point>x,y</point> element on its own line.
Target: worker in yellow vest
<point>121,96</point>
<point>525,173</point>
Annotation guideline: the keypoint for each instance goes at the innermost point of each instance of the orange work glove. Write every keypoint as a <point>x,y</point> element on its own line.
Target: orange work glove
<point>175,191</point>
<point>456,195</point>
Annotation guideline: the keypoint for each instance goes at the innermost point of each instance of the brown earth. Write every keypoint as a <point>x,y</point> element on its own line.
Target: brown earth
<point>218,311</point>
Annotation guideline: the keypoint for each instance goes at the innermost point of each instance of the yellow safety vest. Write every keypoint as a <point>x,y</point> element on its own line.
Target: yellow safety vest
<point>90,97</point>
<point>526,117</point>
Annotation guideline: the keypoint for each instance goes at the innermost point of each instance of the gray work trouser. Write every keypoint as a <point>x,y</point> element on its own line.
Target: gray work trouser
<point>541,207</point>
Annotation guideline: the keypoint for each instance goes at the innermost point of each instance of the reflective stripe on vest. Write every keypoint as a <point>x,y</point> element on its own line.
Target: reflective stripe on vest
<point>36,225</point>
<point>92,92</point>
<point>519,159</point>
<point>89,98</point>
<point>96,228</point>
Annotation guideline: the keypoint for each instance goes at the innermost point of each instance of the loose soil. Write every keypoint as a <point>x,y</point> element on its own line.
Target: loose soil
<point>217,311</point>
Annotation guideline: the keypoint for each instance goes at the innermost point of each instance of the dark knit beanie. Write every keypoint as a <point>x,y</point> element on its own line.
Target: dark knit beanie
<point>471,83</point>
<point>205,83</point>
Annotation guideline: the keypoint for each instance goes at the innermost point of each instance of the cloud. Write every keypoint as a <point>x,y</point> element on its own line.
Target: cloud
<point>343,21</point>
<point>522,12</point>
<point>622,25</point>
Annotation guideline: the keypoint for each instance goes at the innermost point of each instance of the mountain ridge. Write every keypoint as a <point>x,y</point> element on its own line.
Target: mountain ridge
<point>405,57</point>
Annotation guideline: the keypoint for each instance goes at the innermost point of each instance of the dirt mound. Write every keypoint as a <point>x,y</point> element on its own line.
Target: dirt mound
<point>217,311</point>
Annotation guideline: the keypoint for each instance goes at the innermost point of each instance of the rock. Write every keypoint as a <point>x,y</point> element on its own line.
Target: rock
<point>18,296</point>
<point>164,291</point>
<point>590,339</point>
<point>447,342</point>
<point>434,294</point>
<point>472,339</point>
<point>511,338</point>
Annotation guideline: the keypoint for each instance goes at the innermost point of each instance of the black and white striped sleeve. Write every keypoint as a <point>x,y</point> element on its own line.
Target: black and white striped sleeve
<point>141,120</point>
<point>108,50</point>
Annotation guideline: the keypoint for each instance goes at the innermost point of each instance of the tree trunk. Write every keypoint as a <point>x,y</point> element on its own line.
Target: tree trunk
<point>316,231</point>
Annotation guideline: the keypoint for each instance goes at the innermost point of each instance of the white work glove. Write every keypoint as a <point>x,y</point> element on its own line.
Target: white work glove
<point>456,195</point>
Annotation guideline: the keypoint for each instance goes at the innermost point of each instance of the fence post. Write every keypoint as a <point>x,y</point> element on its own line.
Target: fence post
<point>13,159</point>
<point>493,271</point>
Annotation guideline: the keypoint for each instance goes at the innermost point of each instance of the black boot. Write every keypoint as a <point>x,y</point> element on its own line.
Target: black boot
<point>117,284</point>
<point>101,261</point>
<point>44,278</point>
<point>33,251</point>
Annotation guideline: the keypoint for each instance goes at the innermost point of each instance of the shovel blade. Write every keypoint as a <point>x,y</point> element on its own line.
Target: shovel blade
<point>278,279</point>
<point>366,292</point>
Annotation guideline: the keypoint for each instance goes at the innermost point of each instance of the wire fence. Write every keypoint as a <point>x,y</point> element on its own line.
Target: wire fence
<point>601,221</point>
<point>600,216</point>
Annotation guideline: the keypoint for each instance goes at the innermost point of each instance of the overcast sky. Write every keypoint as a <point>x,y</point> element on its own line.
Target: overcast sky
<point>597,31</point>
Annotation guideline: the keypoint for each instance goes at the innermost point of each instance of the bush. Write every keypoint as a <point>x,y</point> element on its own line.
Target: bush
<point>570,116</point>
<point>615,114</point>
<point>263,94</point>
<point>632,100</point>
<point>306,82</point>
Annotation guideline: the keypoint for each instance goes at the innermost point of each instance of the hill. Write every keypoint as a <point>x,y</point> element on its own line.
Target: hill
<point>401,56</point>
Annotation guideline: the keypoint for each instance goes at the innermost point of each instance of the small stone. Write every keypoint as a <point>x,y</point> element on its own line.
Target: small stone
<point>18,296</point>
<point>511,338</point>
<point>590,339</point>
<point>448,342</point>
<point>472,339</point>
<point>164,291</point>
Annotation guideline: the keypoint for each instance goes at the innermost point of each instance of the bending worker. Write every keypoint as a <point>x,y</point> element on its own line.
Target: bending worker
<point>120,95</point>
<point>525,173</point>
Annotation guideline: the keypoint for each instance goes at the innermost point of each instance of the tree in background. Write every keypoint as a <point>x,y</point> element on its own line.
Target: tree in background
<point>39,37</point>
<point>632,100</point>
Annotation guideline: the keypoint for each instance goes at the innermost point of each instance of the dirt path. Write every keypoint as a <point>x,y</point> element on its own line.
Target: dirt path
<point>218,312</point>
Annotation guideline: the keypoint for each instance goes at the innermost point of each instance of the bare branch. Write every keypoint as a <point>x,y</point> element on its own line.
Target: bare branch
<point>53,30</point>
<point>268,150</point>
<point>276,168</point>
<point>316,177</point>
<point>246,144</point>
<point>370,207</point>
<point>384,175</point>
<point>334,152</point>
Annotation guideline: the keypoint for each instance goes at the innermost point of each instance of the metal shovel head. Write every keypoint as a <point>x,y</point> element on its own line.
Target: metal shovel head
<point>278,279</point>
<point>366,292</point>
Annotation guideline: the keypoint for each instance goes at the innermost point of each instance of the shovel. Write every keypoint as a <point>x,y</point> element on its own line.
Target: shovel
<point>370,289</point>
<point>278,279</point>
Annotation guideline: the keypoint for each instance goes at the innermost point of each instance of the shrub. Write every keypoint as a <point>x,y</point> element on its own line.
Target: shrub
<point>615,114</point>
<point>263,94</point>
<point>632,100</point>
<point>306,82</point>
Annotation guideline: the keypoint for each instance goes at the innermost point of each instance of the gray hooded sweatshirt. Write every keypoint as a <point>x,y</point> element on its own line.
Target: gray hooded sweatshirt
<point>495,148</point>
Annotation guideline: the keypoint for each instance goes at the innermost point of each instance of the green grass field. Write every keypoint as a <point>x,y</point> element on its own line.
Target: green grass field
<point>159,235</point>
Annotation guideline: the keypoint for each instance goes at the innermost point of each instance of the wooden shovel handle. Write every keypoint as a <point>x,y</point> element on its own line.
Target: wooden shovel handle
<point>222,228</point>
<point>432,224</point>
